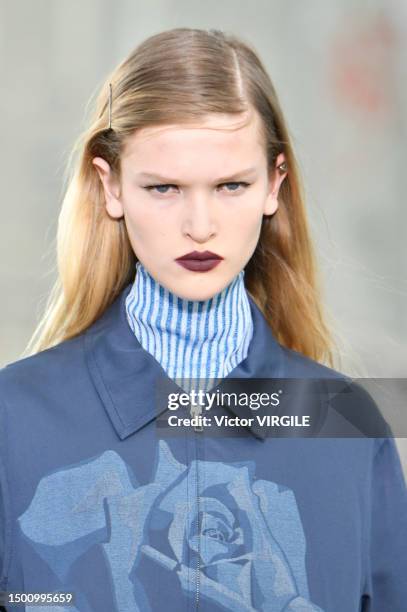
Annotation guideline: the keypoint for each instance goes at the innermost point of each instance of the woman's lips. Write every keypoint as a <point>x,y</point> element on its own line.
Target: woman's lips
<point>199,261</point>
<point>198,265</point>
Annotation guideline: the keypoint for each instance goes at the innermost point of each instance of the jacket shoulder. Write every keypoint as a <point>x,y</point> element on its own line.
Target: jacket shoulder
<point>49,367</point>
<point>297,364</point>
<point>348,397</point>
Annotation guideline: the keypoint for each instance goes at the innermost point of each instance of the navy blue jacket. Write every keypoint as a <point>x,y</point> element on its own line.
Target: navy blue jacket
<point>94,502</point>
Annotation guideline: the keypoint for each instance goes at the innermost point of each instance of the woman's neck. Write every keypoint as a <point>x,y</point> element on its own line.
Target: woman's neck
<point>191,338</point>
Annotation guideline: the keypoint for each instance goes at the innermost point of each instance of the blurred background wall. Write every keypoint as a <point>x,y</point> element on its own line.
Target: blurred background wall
<point>340,71</point>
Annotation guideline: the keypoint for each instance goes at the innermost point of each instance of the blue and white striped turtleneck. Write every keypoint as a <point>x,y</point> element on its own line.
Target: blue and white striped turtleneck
<point>191,338</point>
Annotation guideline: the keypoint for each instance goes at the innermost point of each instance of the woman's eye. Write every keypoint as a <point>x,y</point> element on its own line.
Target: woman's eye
<point>152,187</point>
<point>241,183</point>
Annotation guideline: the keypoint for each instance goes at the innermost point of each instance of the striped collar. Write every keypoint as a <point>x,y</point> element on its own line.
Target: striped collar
<point>191,339</point>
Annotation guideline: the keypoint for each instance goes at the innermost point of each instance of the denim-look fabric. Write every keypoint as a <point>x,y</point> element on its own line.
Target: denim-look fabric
<point>94,502</point>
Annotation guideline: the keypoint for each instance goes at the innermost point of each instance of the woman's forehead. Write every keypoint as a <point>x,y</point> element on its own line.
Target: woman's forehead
<point>214,133</point>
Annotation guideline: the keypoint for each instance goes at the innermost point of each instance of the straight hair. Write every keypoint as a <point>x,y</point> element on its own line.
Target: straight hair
<point>179,76</point>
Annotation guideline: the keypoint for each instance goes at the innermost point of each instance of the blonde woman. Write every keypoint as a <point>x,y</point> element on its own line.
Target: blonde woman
<point>184,255</point>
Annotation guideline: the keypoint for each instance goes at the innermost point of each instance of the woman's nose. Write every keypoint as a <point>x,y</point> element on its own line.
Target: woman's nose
<point>199,219</point>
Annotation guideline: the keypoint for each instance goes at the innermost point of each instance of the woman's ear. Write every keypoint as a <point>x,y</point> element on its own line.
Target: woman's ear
<point>271,203</point>
<point>114,206</point>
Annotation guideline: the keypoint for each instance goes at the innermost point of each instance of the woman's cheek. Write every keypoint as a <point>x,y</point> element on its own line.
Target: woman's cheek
<point>139,218</point>
<point>247,224</point>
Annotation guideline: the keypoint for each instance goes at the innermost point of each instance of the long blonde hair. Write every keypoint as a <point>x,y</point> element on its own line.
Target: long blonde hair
<point>178,76</point>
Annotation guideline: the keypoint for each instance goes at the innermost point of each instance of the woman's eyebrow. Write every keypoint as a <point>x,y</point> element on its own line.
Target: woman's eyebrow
<point>158,177</point>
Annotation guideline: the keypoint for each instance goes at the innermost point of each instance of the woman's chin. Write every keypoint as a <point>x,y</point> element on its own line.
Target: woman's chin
<point>199,288</point>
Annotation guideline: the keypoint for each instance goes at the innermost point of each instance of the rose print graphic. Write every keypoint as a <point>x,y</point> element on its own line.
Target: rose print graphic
<point>210,525</point>
<point>243,565</point>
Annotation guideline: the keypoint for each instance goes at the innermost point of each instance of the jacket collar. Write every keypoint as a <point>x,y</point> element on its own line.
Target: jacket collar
<point>124,373</point>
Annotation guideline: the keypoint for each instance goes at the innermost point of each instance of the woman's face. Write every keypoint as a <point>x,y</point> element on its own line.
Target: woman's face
<point>213,190</point>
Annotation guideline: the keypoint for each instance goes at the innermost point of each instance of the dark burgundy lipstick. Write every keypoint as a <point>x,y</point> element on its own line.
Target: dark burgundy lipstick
<point>199,261</point>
